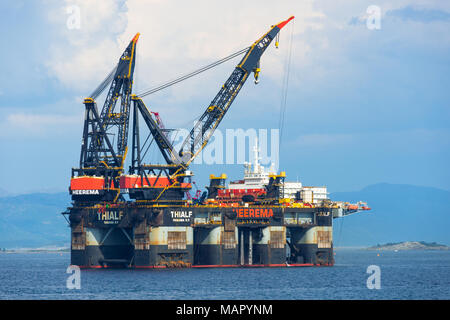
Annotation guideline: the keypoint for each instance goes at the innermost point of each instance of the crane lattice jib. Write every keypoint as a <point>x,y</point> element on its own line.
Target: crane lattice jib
<point>100,150</point>
<point>165,146</point>
<point>210,119</point>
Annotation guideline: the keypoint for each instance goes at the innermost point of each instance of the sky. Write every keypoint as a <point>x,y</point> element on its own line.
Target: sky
<point>368,99</point>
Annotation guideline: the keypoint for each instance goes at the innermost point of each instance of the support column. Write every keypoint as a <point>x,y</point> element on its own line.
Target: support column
<point>250,247</point>
<point>241,243</point>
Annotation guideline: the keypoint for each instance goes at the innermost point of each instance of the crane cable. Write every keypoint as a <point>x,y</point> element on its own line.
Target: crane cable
<point>187,76</point>
<point>339,242</point>
<point>285,85</point>
<point>191,74</point>
<point>104,83</point>
<point>102,86</point>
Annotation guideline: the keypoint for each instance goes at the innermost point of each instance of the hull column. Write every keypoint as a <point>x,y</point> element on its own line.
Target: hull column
<point>269,246</point>
<point>215,246</point>
<point>311,246</point>
<point>96,247</point>
<point>165,247</point>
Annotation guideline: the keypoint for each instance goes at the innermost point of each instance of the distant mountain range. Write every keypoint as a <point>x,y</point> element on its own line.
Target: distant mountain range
<point>34,220</point>
<point>399,213</point>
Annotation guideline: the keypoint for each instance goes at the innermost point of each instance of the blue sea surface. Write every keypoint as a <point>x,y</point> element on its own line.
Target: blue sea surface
<point>404,275</point>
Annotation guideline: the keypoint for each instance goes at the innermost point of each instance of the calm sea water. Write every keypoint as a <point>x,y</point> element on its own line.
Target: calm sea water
<point>404,275</point>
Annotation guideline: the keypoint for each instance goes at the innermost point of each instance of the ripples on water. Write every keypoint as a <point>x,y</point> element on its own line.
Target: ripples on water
<point>404,275</point>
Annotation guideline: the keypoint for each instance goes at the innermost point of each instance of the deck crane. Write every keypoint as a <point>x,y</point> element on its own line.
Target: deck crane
<point>159,121</point>
<point>208,122</point>
<point>101,162</point>
<point>166,182</point>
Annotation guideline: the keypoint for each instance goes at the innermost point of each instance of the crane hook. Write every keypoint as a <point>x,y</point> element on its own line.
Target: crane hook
<point>256,73</point>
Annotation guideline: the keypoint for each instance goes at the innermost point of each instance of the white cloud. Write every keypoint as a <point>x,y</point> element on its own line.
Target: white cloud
<point>35,120</point>
<point>84,69</point>
<point>81,58</point>
<point>425,140</point>
<point>179,36</point>
<point>37,125</point>
<point>176,37</point>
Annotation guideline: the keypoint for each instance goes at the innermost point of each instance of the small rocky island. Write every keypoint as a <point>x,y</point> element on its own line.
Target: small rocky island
<point>410,245</point>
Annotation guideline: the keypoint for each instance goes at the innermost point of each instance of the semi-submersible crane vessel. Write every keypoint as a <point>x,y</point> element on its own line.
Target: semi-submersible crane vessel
<point>267,223</point>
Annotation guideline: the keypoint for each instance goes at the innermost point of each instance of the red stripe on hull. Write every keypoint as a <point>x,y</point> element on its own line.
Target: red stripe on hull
<point>220,266</point>
<point>151,267</point>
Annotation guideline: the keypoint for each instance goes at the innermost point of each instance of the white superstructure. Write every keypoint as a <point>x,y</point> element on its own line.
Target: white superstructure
<point>318,194</point>
<point>291,189</point>
<point>256,176</point>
